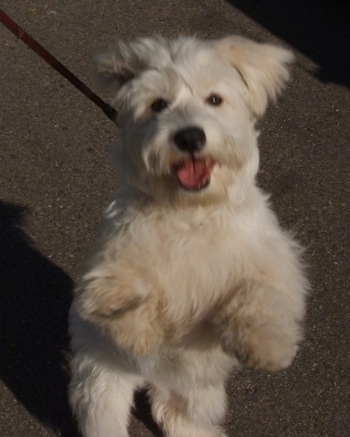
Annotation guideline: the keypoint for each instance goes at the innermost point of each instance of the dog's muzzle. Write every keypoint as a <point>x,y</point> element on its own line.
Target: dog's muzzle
<point>193,173</point>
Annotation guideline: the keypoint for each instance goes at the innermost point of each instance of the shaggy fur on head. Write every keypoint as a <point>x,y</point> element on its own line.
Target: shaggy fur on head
<point>191,275</point>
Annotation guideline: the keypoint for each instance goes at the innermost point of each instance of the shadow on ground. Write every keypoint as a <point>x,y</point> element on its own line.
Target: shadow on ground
<point>143,413</point>
<point>318,29</point>
<point>34,305</point>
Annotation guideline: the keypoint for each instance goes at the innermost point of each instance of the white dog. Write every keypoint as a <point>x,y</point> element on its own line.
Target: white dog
<point>191,274</point>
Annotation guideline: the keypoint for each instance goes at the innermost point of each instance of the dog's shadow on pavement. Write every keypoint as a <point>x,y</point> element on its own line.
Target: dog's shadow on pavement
<point>34,303</point>
<point>35,297</point>
<point>142,413</point>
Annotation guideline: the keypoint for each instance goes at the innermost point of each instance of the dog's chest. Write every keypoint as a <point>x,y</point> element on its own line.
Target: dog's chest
<point>196,258</point>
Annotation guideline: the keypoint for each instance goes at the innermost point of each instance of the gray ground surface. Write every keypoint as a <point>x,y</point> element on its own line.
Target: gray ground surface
<point>56,178</point>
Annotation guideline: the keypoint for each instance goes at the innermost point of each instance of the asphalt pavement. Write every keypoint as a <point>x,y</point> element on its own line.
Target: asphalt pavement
<point>56,178</point>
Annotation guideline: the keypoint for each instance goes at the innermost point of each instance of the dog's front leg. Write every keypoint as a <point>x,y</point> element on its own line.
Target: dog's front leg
<point>259,326</point>
<point>124,302</point>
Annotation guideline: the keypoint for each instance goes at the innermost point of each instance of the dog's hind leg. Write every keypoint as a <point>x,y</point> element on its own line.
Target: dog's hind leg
<point>101,398</point>
<point>196,412</point>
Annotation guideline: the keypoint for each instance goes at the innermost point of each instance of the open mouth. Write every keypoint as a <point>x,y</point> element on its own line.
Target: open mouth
<point>193,174</point>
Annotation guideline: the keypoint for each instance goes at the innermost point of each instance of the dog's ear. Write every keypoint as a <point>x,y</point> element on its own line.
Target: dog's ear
<point>263,68</point>
<point>113,67</point>
<point>127,60</point>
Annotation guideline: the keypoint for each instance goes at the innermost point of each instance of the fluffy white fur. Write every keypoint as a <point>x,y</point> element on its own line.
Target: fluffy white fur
<point>183,285</point>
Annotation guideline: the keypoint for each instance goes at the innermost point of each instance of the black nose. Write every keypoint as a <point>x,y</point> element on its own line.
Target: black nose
<point>190,139</point>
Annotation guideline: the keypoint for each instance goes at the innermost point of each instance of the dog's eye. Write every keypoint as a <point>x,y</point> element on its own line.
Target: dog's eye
<point>214,100</point>
<point>159,105</point>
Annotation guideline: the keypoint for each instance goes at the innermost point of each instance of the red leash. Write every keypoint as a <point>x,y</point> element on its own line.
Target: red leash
<point>44,54</point>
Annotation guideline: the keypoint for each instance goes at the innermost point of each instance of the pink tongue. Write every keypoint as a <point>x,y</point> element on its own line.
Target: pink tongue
<point>193,174</point>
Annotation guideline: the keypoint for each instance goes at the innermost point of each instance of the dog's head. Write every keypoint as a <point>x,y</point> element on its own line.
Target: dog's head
<point>187,110</point>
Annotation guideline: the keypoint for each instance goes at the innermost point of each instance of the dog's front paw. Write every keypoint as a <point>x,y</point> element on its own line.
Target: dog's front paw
<point>139,331</point>
<point>105,298</point>
<point>126,311</point>
<point>265,346</point>
<point>259,328</point>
